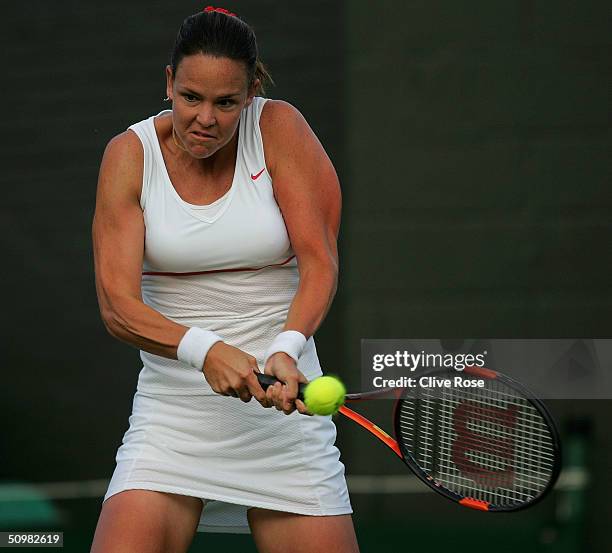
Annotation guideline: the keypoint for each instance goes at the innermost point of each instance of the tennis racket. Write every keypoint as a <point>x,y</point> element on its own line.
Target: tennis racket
<point>493,448</point>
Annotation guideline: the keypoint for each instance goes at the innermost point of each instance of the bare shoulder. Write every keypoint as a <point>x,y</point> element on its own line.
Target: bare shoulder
<point>279,110</point>
<point>125,145</point>
<point>283,128</point>
<point>122,164</point>
<point>278,117</point>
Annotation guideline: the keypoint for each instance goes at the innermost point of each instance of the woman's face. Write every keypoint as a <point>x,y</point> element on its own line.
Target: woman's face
<point>208,96</point>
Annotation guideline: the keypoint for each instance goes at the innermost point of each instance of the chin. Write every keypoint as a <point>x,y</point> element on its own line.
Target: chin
<point>203,154</point>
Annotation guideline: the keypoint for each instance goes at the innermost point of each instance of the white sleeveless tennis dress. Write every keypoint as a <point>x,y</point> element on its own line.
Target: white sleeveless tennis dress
<point>227,267</point>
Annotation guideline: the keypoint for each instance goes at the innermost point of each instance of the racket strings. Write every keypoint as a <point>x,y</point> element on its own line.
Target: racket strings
<point>525,446</point>
<point>490,444</point>
<point>475,453</point>
<point>497,465</point>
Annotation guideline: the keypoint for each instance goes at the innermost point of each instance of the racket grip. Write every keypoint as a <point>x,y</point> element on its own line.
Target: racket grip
<point>265,380</point>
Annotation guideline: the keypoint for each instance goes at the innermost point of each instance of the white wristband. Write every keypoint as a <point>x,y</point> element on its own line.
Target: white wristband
<point>194,346</point>
<point>290,342</point>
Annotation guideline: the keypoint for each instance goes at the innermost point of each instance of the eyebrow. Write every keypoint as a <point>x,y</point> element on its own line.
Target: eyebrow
<point>228,95</point>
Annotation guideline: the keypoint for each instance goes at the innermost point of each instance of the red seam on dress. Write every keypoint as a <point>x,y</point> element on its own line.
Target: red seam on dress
<point>218,270</point>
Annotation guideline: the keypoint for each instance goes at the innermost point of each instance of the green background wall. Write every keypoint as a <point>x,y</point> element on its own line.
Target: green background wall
<point>472,141</point>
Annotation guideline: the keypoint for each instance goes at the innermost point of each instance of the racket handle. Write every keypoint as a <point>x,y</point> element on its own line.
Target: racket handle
<point>265,380</point>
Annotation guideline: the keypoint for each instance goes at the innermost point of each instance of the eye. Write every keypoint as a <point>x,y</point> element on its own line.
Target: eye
<point>226,103</point>
<point>188,96</point>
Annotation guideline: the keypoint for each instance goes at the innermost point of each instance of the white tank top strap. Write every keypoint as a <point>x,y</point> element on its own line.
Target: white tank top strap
<point>145,130</point>
<point>253,141</point>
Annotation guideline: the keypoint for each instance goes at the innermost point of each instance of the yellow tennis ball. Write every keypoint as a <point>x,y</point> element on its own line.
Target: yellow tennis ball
<point>324,395</point>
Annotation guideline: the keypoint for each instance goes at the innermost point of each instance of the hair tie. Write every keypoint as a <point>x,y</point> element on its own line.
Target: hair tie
<point>220,10</point>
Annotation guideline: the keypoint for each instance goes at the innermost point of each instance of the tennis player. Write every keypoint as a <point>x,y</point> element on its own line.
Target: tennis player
<point>215,252</point>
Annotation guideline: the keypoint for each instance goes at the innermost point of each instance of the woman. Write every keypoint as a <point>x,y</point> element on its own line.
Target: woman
<point>215,251</point>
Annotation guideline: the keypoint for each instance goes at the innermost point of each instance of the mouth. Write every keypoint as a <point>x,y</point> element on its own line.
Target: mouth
<point>202,135</point>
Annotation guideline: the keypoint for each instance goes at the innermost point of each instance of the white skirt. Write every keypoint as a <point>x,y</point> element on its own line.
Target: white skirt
<point>232,455</point>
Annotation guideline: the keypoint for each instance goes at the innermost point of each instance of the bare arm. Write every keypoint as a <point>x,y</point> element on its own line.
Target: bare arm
<point>118,241</point>
<point>307,190</point>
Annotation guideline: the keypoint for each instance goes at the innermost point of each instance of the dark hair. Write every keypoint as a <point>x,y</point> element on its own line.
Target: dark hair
<point>223,36</point>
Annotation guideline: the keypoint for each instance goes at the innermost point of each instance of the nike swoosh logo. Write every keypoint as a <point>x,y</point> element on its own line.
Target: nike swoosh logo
<point>255,177</point>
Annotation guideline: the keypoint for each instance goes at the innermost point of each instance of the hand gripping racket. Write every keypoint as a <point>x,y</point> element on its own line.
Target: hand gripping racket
<point>493,448</point>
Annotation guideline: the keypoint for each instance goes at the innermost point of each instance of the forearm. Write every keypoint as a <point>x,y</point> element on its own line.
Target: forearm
<point>135,323</point>
<point>318,283</point>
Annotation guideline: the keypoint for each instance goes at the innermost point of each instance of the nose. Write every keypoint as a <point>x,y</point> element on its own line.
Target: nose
<point>206,116</point>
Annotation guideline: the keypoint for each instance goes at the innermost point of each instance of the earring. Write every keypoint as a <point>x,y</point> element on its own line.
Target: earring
<point>166,99</point>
